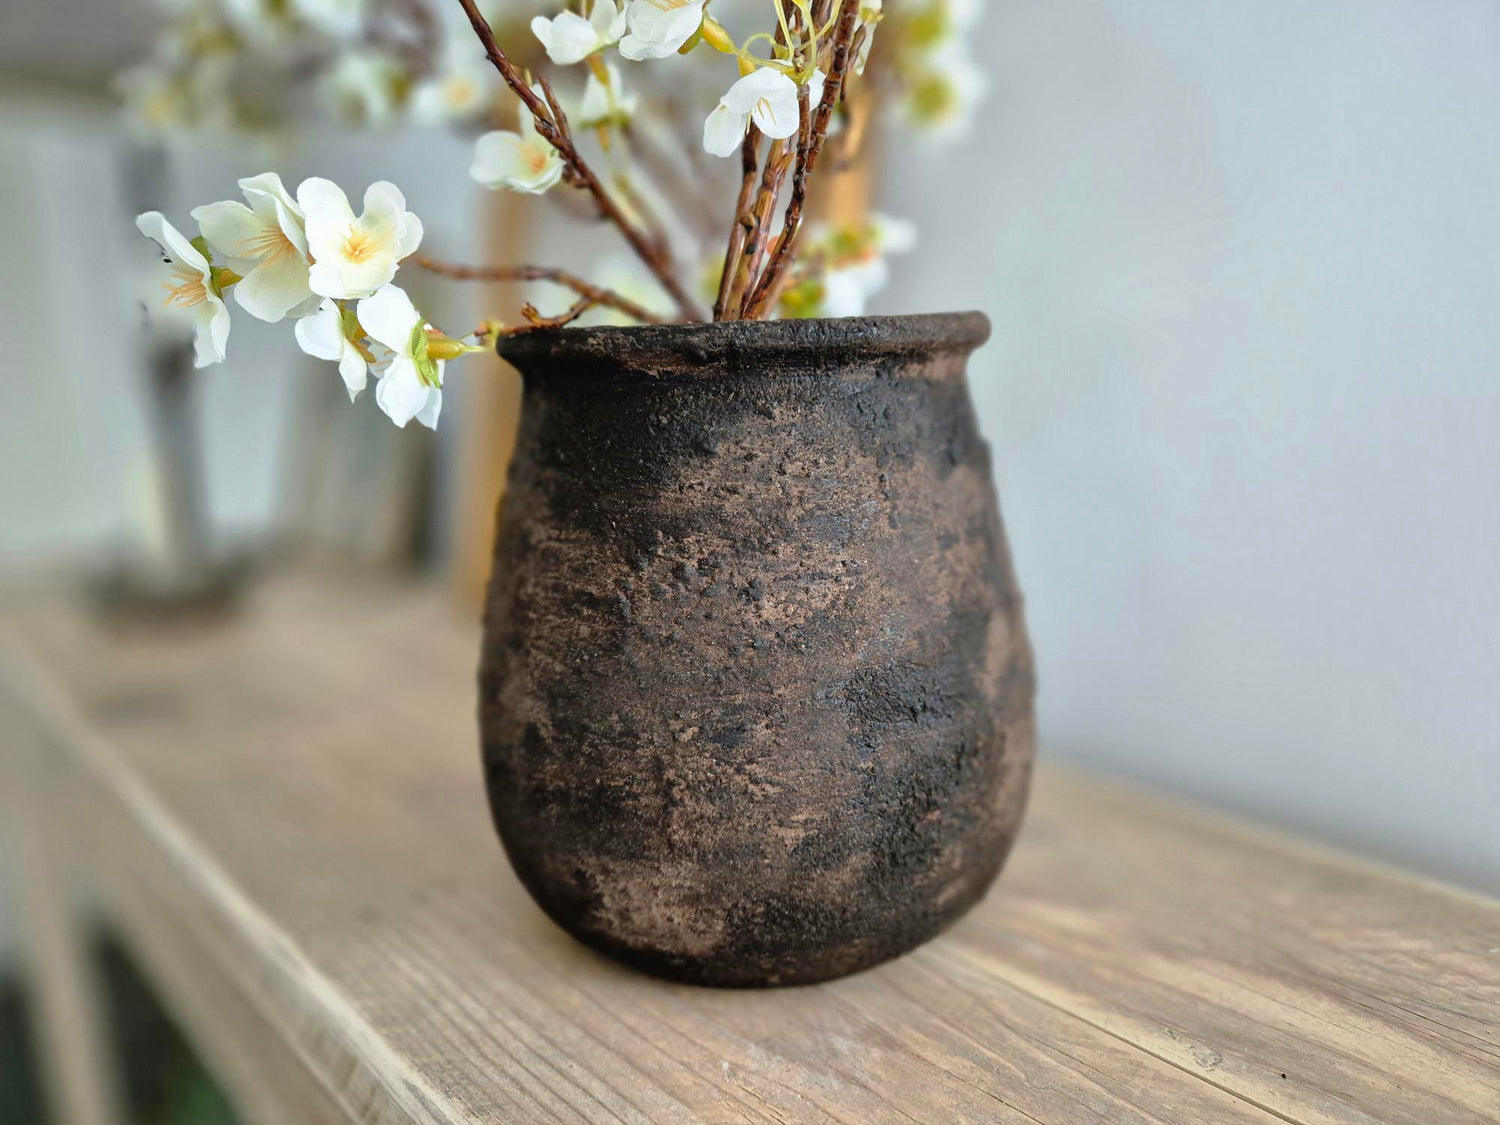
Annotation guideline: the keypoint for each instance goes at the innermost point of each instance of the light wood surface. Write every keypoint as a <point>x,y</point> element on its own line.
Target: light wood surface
<point>286,817</point>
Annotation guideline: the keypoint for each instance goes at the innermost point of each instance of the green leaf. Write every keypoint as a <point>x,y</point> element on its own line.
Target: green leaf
<point>427,367</point>
<point>354,331</point>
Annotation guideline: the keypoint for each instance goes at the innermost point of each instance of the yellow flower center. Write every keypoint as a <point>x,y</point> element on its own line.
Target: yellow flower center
<point>537,157</point>
<point>358,247</point>
<point>460,92</point>
<point>189,290</point>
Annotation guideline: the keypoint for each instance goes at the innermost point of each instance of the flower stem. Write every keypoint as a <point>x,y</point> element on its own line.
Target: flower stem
<point>556,132</point>
<point>593,294</point>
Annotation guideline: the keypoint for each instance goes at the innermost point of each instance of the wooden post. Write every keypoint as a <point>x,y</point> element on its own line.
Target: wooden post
<point>489,434</point>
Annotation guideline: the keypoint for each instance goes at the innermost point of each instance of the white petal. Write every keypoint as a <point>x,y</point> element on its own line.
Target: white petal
<point>764,83</point>
<point>541,27</point>
<point>307,307</point>
<point>401,394</point>
<point>384,197</point>
<point>210,332</point>
<point>896,236</point>
<point>657,32</point>
<point>595,106</point>
<point>269,198</point>
<point>272,289</point>
<point>411,235</point>
<point>321,335</point>
<point>605,19</point>
<point>964,14</point>
<point>269,184</point>
<point>815,88</point>
<point>325,281</point>
<point>775,110</point>
<point>389,318</point>
<point>724,131</point>
<point>569,39</point>
<point>497,155</point>
<point>603,100</point>
<point>328,219</point>
<point>325,196</point>
<point>843,294</point>
<point>354,371</point>
<point>153,225</point>
<point>428,415</point>
<point>508,160</point>
<point>232,230</point>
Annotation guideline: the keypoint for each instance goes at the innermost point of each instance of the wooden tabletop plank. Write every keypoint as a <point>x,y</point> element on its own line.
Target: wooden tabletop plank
<point>301,791</point>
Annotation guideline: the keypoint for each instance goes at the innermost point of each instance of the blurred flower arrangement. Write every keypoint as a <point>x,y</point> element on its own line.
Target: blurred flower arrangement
<point>796,100</point>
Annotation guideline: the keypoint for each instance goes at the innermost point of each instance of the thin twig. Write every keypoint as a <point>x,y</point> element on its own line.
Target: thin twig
<point>743,219</point>
<point>756,298</point>
<point>810,146</point>
<point>778,163</point>
<point>529,311</point>
<point>594,294</point>
<point>554,129</point>
<point>743,234</point>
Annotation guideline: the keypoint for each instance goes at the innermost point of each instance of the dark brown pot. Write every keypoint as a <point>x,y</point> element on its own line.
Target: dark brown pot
<point>756,694</point>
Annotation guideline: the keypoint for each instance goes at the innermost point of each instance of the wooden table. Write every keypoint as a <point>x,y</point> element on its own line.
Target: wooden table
<point>284,819</point>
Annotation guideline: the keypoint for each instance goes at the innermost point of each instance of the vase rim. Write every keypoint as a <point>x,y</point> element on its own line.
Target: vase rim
<point>725,347</point>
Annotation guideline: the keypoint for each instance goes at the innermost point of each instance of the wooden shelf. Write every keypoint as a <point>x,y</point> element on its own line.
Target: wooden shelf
<point>284,818</point>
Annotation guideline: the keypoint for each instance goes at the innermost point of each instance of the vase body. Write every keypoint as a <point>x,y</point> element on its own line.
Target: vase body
<point>756,692</point>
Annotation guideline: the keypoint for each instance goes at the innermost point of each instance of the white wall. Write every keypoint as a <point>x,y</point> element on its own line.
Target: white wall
<point>1244,266</point>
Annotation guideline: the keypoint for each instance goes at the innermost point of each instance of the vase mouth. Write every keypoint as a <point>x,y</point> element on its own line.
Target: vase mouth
<point>728,347</point>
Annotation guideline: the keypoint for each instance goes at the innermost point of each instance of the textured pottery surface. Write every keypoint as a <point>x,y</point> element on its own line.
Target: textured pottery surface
<point>756,694</point>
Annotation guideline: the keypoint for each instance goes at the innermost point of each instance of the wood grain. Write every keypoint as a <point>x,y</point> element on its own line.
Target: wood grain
<point>296,802</point>
<point>78,1069</point>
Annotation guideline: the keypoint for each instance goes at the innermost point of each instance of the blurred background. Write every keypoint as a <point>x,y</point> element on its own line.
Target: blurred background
<point>1243,263</point>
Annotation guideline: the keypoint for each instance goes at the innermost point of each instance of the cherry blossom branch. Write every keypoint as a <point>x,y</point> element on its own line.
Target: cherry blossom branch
<point>744,220</point>
<point>555,131</point>
<point>810,144</point>
<point>595,295</point>
<point>778,163</point>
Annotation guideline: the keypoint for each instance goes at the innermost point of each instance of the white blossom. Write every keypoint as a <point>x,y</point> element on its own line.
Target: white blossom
<point>331,333</point>
<point>853,261</point>
<point>848,287</point>
<point>183,90</point>
<point>942,99</point>
<point>265,244</point>
<point>458,90</point>
<point>354,257</point>
<point>339,18</point>
<point>411,386</point>
<point>607,101</point>
<point>659,28</point>
<point>569,38</point>
<point>362,86</point>
<point>192,289</point>
<point>767,97</point>
<point>964,15</point>
<point>261,21</point>
<point>522,161</point>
